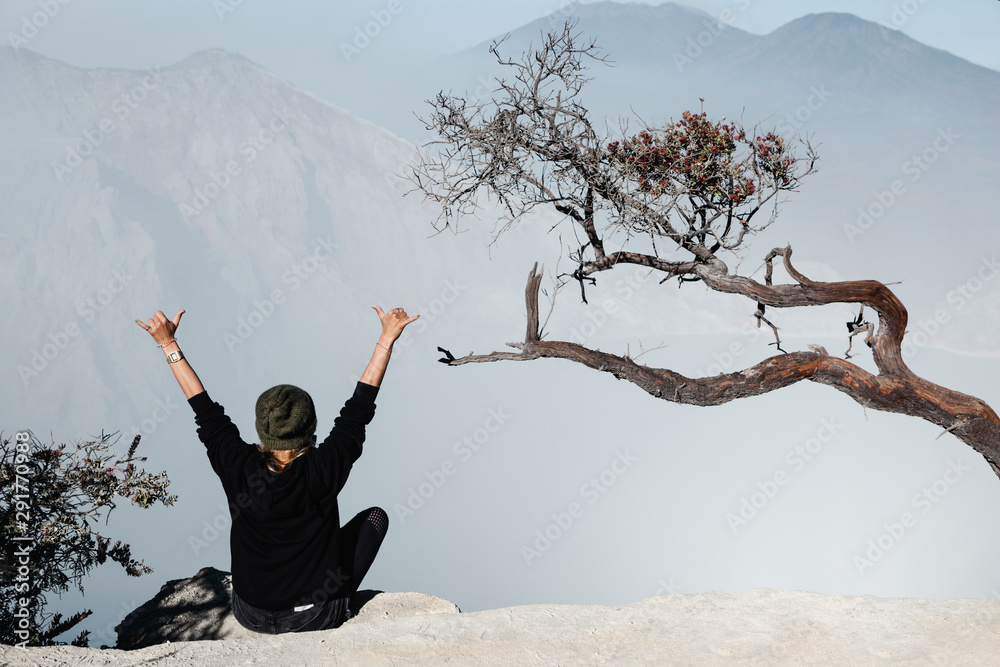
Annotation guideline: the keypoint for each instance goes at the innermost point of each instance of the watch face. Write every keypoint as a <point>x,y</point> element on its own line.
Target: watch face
<point>174,356</point>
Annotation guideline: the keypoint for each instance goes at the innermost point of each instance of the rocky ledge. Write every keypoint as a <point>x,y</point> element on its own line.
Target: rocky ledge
<point>756,627</point>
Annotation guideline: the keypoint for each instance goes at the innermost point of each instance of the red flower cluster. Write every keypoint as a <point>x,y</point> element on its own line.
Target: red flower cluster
<point>694,156</point>
<point>774,159</point>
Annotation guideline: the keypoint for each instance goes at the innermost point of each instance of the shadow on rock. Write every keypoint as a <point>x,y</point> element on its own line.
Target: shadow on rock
<point>201,608</point>
<point>192,609</point>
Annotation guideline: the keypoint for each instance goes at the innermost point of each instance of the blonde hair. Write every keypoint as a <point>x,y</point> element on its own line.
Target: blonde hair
<point>274,464</point>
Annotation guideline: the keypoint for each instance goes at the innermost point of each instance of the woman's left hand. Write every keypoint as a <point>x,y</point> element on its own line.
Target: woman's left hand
<point>160,328</point>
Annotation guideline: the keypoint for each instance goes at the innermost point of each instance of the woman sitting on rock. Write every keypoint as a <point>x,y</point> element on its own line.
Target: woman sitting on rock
<point>294,567</point>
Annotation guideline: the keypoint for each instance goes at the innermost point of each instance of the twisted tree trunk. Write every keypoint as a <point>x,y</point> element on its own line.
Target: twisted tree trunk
<point>894,389</point>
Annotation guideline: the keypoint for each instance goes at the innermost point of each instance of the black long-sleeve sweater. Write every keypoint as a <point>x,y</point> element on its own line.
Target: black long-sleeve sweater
<point>285,525</point>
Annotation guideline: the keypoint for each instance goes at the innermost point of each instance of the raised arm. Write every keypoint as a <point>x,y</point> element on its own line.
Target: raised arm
<point>393,324</point>
<point>162,330</point>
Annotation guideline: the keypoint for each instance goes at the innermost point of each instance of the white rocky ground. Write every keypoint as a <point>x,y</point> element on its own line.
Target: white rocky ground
<point>757,627</point>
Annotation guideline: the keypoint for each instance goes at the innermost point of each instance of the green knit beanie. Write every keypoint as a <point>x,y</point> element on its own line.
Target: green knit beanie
<point>286,418</point>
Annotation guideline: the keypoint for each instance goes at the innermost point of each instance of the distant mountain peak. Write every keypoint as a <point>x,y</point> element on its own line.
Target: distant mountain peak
<point>826,23</point>
<point>607,8</point>
<point>215,56</point>
<point>219,60</point>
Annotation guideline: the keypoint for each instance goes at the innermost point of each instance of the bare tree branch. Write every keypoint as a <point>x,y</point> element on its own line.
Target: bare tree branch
<point>967,417</point>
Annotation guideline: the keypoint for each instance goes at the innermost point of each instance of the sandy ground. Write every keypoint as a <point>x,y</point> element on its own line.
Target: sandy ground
<point>758,627</point>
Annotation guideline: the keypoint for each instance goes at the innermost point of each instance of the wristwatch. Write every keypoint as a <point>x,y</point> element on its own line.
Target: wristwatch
<point>174,357</point>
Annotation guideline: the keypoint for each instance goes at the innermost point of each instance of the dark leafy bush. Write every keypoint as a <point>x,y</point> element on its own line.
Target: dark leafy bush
<point>52,502</point>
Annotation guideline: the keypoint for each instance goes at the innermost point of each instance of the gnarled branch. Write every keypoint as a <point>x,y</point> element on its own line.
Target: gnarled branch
<point>895,389</point>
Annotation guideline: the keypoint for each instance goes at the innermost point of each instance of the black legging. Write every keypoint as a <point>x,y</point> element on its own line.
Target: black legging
<point>360,539</point>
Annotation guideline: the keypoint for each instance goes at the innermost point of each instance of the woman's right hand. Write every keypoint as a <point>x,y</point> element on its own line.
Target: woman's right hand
<point>393,323</point>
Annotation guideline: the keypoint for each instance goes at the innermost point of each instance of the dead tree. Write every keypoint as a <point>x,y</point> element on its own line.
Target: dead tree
<point>673,199</point>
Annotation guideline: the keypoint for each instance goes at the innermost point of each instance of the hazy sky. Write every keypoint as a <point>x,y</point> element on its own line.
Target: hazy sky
<point>301,39</point>
<point>309,43</point>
